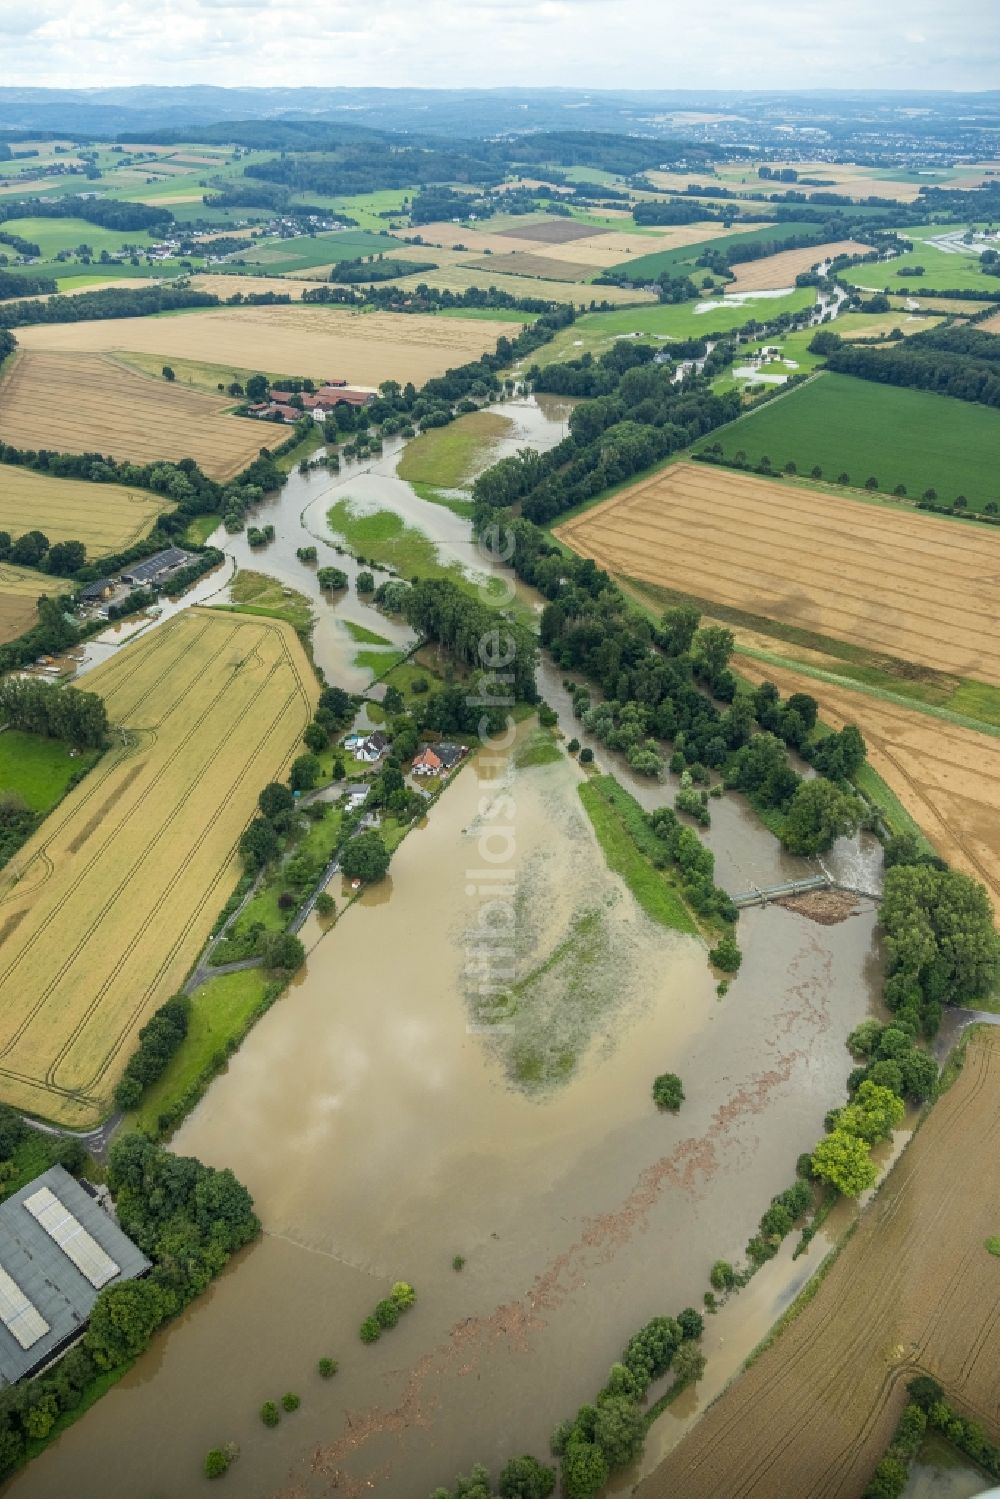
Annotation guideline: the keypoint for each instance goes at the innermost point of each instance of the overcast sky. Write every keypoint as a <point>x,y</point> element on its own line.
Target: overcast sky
<point>483,43</point>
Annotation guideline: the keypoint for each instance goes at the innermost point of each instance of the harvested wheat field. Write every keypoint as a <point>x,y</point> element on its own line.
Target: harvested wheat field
<point>913,1291</point>
<point>990,324</point>
<point>365,348</point>
<point>919,587</point>
<point>105,517</point>
<point>223,286</point>
<point>104,910</point>
<point>779,270</point>
<point>600,247</point>
<point>947,777</point>
<point>486,274</point>
<point>84,403</point>
<point>20,589</point>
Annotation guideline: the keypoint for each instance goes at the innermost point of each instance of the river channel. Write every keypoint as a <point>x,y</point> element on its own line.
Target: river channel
<point>383,1129</point>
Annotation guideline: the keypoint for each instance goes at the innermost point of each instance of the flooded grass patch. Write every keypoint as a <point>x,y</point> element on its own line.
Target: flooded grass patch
<point>383,537</point>
<point>540,749</point>
<point>464,509</point>
<point>362,635</point>
<point>448,457</point>
<point>618,826</point>
<point>258,593</point>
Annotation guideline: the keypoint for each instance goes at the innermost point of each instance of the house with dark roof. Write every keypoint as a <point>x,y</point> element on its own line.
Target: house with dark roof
<point>59,1248</point>
<point>449,754</point>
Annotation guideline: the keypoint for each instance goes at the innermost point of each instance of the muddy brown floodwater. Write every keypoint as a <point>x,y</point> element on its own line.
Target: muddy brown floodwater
<point>383,1127</point>
<point>381,1134</point>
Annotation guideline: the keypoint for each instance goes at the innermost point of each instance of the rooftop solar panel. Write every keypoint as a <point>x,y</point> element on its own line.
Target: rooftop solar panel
<point>17,1313</point>
<point>73,1239</point>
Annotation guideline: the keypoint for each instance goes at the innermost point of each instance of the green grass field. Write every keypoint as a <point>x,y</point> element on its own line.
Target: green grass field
<point>681,261</point>
<point>858,427</point>
<point>52,235</point>
<point>448,457</point>
<point>300,254</point>
<point>942,272</point>
<point>39,770</point>
<point>795,346</point>
<point>613,821</point>
<point>221,1011</point>
<point>595,332</point>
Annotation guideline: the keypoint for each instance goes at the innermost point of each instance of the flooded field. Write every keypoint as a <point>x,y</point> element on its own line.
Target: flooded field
<point>940,1472</point>
<point>381,1133</point>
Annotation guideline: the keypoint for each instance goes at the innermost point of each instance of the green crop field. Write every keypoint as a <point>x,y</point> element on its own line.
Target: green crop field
<point>595,332</point>
<point>321,249</point>
<point>681,261</point>
<point>899,436</point>
<point>53,235</point>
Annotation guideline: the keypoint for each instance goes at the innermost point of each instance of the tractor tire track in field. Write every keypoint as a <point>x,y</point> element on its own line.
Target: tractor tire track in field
<point>295,702</point>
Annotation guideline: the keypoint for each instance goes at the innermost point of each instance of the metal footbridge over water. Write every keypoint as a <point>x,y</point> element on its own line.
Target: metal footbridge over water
<point>761,895</point>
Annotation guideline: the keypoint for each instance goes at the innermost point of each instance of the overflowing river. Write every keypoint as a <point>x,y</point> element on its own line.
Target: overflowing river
<point>383,1129</point>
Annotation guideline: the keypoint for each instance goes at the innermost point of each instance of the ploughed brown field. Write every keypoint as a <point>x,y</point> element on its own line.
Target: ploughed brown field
<point>105,909</point>
<point>553,231</point>
<point>20,589</point>
<point>364,348</point>
<point>947,777</point>
<point>86,403</point>
<point>775,271</point>
<point>913,1291</point>
<point>601,247</point>
<point>921,588</point>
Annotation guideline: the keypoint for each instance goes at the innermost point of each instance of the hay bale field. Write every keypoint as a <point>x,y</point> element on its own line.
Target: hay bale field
<point>779,270</point>
<point>20,589</point>
<point>946,776</point>
<point>916,586</point>
<point>365,348</point>
<point>85,403</point>
<point>105,517</point>
<point>104,910</point>
<point>914,1291</point>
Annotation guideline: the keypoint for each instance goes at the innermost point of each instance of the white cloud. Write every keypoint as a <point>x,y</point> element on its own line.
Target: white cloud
<point>485,43</point>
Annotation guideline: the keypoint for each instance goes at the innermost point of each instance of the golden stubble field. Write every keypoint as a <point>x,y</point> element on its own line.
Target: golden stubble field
<point>20,589</point>
<point>85,403</point>
<point>103,912</point>
<point>920,588</point>
<point>599,249</point>
<point>947,777</point>
<point>105,517</point>
<point>913,1291</point>
<point>779,270</point>
<point>324,342</point>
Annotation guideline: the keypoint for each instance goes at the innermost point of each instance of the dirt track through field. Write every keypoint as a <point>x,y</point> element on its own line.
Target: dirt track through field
<point>118,890</point>
<point>913,1291</point>
<point>781,270</point>
<point>920,588</point>
<point>364,348</point>
<point>85,403</point>
<point>947,777</point>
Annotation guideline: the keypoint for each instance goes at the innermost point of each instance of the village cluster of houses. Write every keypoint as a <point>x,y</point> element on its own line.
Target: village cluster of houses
<point>318,403</point>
